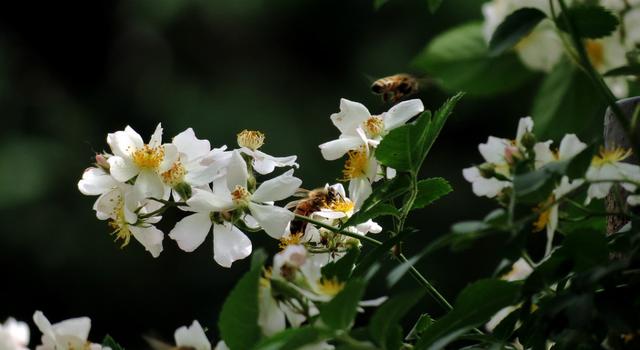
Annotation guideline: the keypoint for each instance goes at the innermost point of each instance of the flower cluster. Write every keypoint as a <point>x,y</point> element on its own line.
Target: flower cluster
<point>544,47</point>
<point>136,181</point>
<point>360,134</point>
<point>506,158</point>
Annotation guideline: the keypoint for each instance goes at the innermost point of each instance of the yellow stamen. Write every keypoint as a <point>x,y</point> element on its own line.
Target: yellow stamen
<point>175,175</point>
<point>544,216</point>
<point>374,126</point>
<point>250,139</point>
<point>330,286</point>
<point>356,166</point>
<point>595,51</point>
<point>148,157</point>
<point>341,205</point>
<point>120,225</point>
<point>292,239</point>
<point>609,156</point>
<point>240,196</point>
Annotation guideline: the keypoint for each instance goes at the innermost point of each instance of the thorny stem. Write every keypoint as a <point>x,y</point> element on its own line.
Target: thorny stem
<point>412,270</point>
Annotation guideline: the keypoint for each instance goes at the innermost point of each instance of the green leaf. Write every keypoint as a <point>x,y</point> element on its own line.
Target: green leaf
<point>586,248</point>
<point>590,21</point>
<point>633,69</point>
<point>475,305</point>
<point>567,102</point>
<point>339,313</point>
<point>406,147</point>
<point>434,5</point>
<point>290,339</point>
<point>430,190</point>
<point>341,269</point>
<point>424,322</point>
<point>389,315</point>
<point>108,341</point>
<point>377,4</point>
<point>514,27</point>
<point>459,60</point>
<point>374,205</point>
<point>238,321</point>
<point>535,186</point>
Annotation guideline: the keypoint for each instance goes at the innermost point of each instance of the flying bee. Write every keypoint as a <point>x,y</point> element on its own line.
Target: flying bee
<point>393,88</point>
<point>314,201</point>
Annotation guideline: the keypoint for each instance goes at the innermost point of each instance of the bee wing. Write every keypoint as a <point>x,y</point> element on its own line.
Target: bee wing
<point>301,193</point>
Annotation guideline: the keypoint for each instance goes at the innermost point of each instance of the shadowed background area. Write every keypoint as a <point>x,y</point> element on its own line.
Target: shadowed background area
<point>70,72</point>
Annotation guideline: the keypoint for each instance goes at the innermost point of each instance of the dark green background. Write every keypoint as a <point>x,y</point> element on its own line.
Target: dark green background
<point>70,72</point>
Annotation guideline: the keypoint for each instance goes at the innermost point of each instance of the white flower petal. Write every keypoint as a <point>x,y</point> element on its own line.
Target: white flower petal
<point>96,181</point>
<point>122,169</point>
<point>265,164</point>
<point>401,113</point>
<point>123,143</point>
<point>272,219</point>
<point>276,189</point>
<point>493,151</point>
<point>170,157</point>
<point>359,190</point>
<point>351,115</point>
<point>369,226</point>
<point>229,244</point>
<point>204,201</point>
<point>524,125</point>
<point>237,174</point>
<point>570,146</point>
<point>191,231</point>
<point>271,319</point>
<point>148,184</point>
<point>134,137</point>
<point>156,137</point>
<point>193,337</point>
<point>335,149</point>
<point>552,225</point>
<point>190,146</point>
<point>544,155</point>
<point>150,237</point>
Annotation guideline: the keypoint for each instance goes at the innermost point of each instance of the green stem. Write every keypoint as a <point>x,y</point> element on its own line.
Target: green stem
<point>409,204</point>
<point>412,270</point>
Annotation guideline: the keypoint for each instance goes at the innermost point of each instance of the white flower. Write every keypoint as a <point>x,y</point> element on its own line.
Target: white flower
<point>197,165</point>
<point>358,128</point>
<point>221,346</point>
<point>71,334</point>
<point>96,181</point>
<point>606,54</point>
<point>192,337</point>
<point>606,169</point>
<point>229,197</point>
<point>499,154</point>
<point>250,141</point>
<point>14,335</point>
<point>133,158</point>
<point>570,146</point>
<point>542,49</point>
<point>125,210</point>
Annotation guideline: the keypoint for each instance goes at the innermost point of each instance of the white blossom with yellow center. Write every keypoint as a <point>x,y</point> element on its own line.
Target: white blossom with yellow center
<point>607,168</point>
<point>122,207</point>
<point>14,335</point>
<point>230,194</point>
<point>250,141</point>
<point>358,128</point>
<point>146,162</point>
<point>70,334</point>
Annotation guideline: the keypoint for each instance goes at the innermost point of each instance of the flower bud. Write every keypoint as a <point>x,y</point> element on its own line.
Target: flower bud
<point>528,140</point>
<point>102,162</point>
